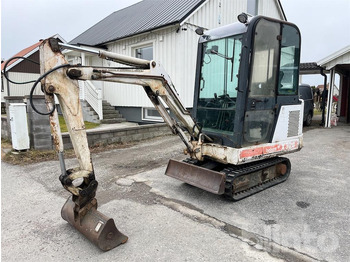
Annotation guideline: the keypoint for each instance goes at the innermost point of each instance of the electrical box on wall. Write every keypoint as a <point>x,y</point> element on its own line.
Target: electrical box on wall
<point>19,126</point>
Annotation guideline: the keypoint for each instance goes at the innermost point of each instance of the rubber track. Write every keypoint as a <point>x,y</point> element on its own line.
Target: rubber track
<point>234,172</point>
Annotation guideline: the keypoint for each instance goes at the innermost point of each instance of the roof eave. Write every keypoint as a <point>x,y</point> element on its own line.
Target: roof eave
<point>135,34</point>
<point>31,52</point>
<point>179,22</point>
<point>334,56</point>
<point>310,68</point>
<point>20,60</point>
<point>192,12</point>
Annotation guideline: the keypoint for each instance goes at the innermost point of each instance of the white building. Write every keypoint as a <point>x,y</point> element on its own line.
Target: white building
<point>338,62</point>
<point>162,30</point>
<point>22,70</point>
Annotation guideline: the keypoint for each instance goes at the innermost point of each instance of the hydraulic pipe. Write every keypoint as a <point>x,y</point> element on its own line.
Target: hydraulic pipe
<point>78,48</point>
<point>118,58</point>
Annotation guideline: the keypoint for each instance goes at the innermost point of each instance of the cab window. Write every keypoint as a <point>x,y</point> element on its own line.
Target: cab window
<point>289,62</point>
<point>265,59</point>
<point>218,84</point>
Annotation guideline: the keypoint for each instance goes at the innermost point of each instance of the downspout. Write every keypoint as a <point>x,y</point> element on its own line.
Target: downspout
<point>323,106</point>
<point>8,87</point>
<point>3,74</point>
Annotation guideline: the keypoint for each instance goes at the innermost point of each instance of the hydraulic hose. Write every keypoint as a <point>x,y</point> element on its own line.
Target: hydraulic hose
<point>35,84</point>
<point>13,58</point>
<point>32,81</point>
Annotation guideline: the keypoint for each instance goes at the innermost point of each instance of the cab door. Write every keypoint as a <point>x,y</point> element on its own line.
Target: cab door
<point>260,109</point>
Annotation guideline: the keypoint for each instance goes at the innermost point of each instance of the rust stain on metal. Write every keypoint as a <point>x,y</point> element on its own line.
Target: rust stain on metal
<point>281,169</point>
<point>269,149</point>
<point>203,178</point>
<point>95,226</point>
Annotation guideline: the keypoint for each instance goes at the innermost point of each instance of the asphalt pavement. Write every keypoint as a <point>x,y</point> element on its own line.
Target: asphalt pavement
<point>305,218</point>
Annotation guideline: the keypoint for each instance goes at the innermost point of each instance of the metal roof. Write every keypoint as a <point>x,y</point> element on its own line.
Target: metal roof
<point>141,17</point>
<point>310,68</point>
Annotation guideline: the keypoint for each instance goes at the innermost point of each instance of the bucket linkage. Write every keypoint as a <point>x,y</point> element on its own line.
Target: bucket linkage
<point>80,210</point>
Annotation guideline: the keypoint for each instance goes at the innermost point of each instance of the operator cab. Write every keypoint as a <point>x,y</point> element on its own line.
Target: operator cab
<point>245,73</point>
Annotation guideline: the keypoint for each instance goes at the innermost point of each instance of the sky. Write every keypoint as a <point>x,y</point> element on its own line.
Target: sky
<point>324,27</point>
<point>324,24</point>
<point>25,22</point>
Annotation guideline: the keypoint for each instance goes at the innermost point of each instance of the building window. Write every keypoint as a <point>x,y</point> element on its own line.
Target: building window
<point>144,52</point>
<point>151,114</point>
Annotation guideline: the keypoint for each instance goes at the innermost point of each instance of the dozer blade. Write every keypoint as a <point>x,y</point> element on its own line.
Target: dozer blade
<point>95,226</point>
<point>203,178</point>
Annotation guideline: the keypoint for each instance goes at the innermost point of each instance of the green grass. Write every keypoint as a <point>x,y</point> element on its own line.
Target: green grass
<point>88,125</point>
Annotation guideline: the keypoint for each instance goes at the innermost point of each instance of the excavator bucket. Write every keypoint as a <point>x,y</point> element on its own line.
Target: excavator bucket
<point>203,178</point>
<point>95,226</point>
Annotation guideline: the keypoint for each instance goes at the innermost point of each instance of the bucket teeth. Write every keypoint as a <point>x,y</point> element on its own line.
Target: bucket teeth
<point>95,226</point>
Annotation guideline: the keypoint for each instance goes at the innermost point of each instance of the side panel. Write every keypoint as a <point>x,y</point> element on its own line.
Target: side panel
<point>264,151</point>
<point>235,156</point>
<point>290,123</point>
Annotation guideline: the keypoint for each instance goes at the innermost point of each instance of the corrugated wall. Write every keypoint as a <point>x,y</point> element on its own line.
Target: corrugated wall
<point>20,90</point>
<point>177,50</point>
<point>269,8</point>
<point>167,48</point>
<point>216,13</point>
<point>119,94</point>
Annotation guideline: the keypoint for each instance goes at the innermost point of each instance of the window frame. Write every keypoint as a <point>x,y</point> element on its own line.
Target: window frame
<point>229,88</point>
<point>147,117</point>
<point>296,65</point>
<point>133,48</point>
<point>257,61</point>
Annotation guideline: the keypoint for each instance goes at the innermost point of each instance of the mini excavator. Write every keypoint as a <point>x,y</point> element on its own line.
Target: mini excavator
<point>246,114</point>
